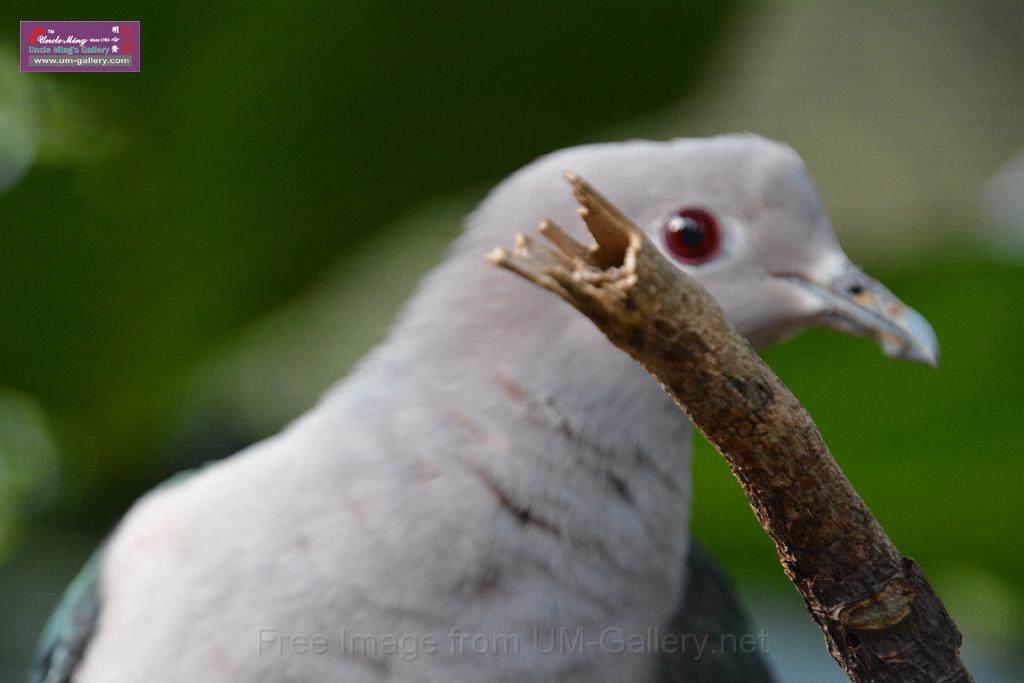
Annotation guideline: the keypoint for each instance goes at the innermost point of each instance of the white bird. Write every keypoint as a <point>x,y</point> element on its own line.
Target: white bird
<point>495,493</point>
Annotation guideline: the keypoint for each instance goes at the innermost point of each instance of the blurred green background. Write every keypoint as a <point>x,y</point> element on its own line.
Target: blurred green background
<point>182,250</point>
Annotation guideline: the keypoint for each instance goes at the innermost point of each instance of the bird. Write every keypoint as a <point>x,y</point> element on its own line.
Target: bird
<point>494,492</point>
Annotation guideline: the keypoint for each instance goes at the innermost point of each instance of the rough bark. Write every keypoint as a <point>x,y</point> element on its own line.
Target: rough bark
<point>881,619</point>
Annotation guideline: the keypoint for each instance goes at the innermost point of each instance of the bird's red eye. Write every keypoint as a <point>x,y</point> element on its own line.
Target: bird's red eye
<point>692,235</point>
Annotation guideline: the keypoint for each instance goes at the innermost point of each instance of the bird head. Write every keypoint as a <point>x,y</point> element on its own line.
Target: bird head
<point>741,214</point>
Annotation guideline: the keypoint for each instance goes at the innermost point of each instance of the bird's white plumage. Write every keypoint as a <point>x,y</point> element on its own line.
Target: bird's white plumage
<point>495,468</point>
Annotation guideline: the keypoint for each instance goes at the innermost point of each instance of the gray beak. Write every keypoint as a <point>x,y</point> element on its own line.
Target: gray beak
<point>857,304</point>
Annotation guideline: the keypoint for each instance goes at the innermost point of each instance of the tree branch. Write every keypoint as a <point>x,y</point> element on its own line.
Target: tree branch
<point>881,619</point>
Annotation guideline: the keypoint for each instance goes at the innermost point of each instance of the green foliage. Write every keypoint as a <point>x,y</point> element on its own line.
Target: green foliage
<point>258,145</point>
<point>28,464</point>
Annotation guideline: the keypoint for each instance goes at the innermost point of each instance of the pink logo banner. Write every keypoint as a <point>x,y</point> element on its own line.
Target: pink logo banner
<point>80,46</point>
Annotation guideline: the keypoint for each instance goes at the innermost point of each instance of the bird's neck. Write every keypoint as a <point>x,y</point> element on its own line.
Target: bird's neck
<point>477,337</point>
<point>482,356</point>
<point>515,405</point>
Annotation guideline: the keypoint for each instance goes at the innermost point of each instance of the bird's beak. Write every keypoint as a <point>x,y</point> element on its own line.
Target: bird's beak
<point>854,303</point>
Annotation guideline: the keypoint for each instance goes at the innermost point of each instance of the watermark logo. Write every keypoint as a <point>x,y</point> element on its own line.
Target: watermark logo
<point>80,46</point>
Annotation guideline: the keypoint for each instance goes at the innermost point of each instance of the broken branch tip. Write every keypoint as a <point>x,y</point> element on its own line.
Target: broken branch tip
<point>497,256</point>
